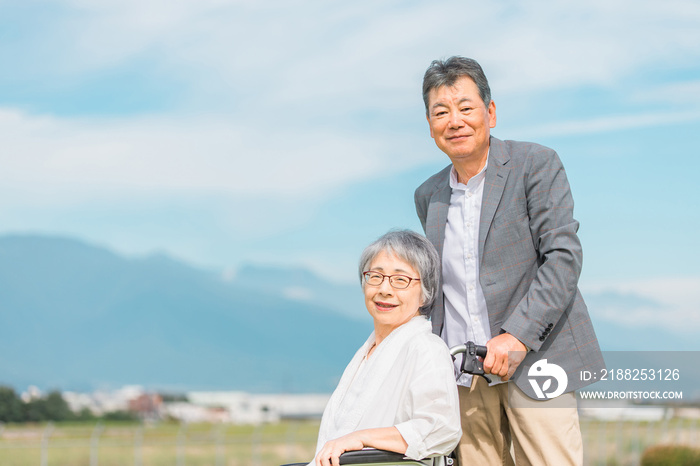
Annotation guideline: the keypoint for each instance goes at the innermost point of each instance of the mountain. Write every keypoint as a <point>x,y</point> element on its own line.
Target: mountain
<point>77,316</point>
<point>302,285</point>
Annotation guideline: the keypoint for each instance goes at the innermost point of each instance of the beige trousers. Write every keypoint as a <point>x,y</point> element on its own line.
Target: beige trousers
<point>502,425</point>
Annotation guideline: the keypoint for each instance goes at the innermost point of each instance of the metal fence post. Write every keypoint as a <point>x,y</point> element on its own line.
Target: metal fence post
<point>619,438</point>
<point>256,444</point>
<point>665,429</point>
<point>602,441</point>
<point>680,424</point>
<point>220,456</point>
<point>636,441</point>
<point>138,446</point>
<point>45,444</point>
<point>181,440</point>
<point>649,436</point>
<point>95,444</point>
<point>290,437</point>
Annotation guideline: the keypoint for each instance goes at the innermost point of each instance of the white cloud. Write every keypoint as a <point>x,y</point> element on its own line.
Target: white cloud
<point>669,302</point>
<point>603,124</point>
<point>292,82</point>
<point>200,155</point>
<point>685,93</point>
<point>308,48</point>
<point>298,293</point>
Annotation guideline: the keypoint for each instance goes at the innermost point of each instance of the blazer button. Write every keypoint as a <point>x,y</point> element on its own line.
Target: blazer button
<point>542,338</point>
<point>550,325</point>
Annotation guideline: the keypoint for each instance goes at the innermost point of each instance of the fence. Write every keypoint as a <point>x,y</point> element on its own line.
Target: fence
<point>605,443</point>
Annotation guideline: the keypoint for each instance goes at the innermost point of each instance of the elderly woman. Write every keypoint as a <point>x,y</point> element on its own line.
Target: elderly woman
<point>398,393</point>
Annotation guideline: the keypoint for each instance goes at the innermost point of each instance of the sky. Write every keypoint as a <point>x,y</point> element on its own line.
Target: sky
<point>293,133</point>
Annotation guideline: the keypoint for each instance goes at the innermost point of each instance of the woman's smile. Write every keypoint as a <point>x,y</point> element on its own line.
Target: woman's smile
<point>385,306</point>
<point>391,307</point>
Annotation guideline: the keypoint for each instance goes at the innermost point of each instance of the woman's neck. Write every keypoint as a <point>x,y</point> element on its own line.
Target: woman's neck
<point>383,331</point>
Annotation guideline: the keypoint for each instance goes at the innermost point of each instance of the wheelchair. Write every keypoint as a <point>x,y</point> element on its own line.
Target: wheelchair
<point>373,457</point>
<point>471,364</point>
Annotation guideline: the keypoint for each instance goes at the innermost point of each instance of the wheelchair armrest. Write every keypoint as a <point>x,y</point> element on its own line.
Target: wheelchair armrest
<point>373,456</point>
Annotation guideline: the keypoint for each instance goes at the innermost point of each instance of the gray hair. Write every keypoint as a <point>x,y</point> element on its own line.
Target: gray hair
<point>415,249</point>
<point>447,72</point>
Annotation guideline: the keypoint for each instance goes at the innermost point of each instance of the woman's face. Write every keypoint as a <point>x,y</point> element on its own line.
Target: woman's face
<point>390,307</point>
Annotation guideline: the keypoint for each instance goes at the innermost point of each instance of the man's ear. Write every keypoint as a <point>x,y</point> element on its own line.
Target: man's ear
<point>427,117</point>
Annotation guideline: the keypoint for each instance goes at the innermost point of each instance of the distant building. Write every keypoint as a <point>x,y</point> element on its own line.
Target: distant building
<point>146,405</point>
<point>128,398</point>
<point>247,408</point>
<point>191,413</point>
<point>222,406</point>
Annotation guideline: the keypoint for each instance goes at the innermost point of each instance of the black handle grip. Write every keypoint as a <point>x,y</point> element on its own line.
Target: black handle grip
<point>471,364</point>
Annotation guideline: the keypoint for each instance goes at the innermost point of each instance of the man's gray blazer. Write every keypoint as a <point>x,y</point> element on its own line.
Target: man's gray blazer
<point>530,257</point>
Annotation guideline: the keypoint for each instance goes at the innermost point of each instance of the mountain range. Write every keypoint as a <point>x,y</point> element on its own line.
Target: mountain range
<point>76,316</point>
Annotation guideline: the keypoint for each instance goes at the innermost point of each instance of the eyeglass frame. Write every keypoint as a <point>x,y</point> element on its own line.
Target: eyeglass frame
<point>410,279</point>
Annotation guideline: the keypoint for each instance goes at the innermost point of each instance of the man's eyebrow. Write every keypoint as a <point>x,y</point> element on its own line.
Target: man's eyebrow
<point>441,104</point>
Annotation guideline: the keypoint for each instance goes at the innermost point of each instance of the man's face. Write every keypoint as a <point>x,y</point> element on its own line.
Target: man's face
<point>459,120</point>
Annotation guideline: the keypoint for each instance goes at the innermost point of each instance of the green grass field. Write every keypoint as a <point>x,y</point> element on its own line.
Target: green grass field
<point>118,444</point>
<point>156,445</point>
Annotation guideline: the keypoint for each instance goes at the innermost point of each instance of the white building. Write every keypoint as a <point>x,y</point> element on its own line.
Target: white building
<point>103,401</point>
<point>192,413</point>
<point>247,408</point>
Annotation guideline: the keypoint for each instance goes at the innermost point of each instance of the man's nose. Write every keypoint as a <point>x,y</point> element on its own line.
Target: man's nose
<point>455,120</point>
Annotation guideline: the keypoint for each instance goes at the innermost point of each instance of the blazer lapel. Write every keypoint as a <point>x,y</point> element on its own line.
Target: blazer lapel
<point>496,176</point>
<point>437,213</point>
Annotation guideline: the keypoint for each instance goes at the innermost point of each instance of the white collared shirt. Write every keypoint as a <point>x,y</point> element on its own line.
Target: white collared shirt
<point>466,316</point>
<point>406,383</point>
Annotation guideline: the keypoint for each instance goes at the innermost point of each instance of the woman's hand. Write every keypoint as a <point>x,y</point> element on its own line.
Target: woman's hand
<point>383,438</point>
<point>331,451</point>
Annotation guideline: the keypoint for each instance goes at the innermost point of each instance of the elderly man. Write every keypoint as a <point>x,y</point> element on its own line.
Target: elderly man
<point>501,216</point>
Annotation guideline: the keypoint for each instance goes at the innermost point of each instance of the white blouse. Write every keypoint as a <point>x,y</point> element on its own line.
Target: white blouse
<point>408,382</point>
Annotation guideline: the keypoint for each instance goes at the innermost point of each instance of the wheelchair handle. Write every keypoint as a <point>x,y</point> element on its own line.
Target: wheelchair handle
<point>471,364</point>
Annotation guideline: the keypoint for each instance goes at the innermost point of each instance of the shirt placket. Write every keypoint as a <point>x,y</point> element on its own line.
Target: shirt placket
<point>470,292</point>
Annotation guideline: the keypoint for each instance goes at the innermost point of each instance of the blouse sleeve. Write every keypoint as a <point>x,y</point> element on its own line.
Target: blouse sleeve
<point>433,427</point>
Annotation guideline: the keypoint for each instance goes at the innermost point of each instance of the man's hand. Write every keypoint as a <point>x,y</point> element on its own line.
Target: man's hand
<point>331,451</point>
<point>505,353</point>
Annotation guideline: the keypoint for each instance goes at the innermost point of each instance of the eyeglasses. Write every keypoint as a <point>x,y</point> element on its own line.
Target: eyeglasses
<point>399,282</point>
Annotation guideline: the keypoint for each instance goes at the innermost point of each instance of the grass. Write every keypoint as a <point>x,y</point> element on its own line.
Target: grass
<point>155,445</point>
<point>120,444</point>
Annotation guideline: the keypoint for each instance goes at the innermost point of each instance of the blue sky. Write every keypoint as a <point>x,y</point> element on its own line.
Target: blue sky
<point>293,133</point>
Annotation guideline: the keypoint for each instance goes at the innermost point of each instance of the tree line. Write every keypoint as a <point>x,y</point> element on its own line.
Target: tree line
<point>51,407</point>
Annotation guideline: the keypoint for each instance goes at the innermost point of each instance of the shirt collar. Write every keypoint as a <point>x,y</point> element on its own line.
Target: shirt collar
<point>455,184</point>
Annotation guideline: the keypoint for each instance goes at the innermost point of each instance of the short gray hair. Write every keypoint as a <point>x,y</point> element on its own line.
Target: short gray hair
<point>415,249</point>
<point>447,72</point>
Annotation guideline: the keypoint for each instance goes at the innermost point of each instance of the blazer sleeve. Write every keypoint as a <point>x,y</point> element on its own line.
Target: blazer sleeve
<point>550,208</point>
